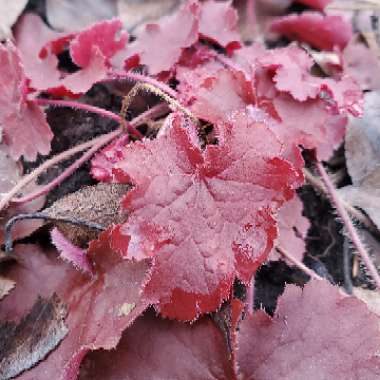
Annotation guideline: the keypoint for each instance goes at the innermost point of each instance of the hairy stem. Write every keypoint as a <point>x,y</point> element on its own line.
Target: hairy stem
<point>355,213</point>
<point>137,77</point>
<point>173,103</point>
<point>349,225</point>
<point>250,301</point>
<point>71,169</point>
<point>154,111</point>
<point>8,243</point>
<point>85,107</point>
<point>298,263</point>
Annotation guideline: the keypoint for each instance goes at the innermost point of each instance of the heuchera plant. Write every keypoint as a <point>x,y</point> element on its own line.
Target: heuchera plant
<point>204,203</point>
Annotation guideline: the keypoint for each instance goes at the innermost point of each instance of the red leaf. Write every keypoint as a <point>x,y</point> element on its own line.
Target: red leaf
<point>315,334</point>
<point>99,307</point>
<point>68,251</point>
<point>218,23</point>
<point>160,349</point>
<point>221,95</point>
<point>160,45</point>
<point>362,64</point>
<point>310,124</point>
<point>25,129</point>
<point>105,35</point>
<point>38,53</point>
<point>33,37</point>
<point>103,163</point>
<point>293,227</point>
<point>231,189</point>
<point>322,32</point>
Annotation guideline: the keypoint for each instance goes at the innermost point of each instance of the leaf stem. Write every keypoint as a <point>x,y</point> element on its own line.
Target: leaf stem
<point>71,169</point>
<point>99,141</point>
<point>298,263</point>
<point>88,108</point>
<point>172,102</point>
<point>137,77</point>
<point>348,224</point>
<point>355,213</point>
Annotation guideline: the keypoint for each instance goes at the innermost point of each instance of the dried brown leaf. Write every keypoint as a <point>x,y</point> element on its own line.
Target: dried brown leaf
<point>24,344</point>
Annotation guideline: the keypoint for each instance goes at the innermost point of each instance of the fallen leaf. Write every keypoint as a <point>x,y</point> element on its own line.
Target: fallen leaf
<point>134,13</point>
<point>98,204</point>
<point>362,150</point>
<point>9,13</point>
<point>29,341</point>
<point>72,15</point>
<point>6,285</point>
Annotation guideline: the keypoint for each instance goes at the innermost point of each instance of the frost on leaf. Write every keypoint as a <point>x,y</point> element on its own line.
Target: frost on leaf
<point>316,333</point>
<point>196,352</point>
<point>70,252</point>
<point>103,162</point>
<point>39,54</point>
<point>24,126</point>
<point>93,302</point>
<point>231,190</point>
<point>106,36</point>
<point>160,45</point>
<point>218,23</point>
<point>322,32</point>
<point>33,37</point>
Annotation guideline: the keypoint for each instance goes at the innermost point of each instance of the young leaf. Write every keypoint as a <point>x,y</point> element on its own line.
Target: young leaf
<point>205,217</point>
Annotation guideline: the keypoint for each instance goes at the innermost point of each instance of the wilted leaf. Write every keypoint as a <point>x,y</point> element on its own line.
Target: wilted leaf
<point>160,349</point>
<point>24,344</point>
<point>6,285</point>
<point>316,334</point>
<point>98,204</point>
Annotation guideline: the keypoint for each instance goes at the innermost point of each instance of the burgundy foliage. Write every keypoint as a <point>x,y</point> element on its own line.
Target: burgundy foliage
<point>210,197</point>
